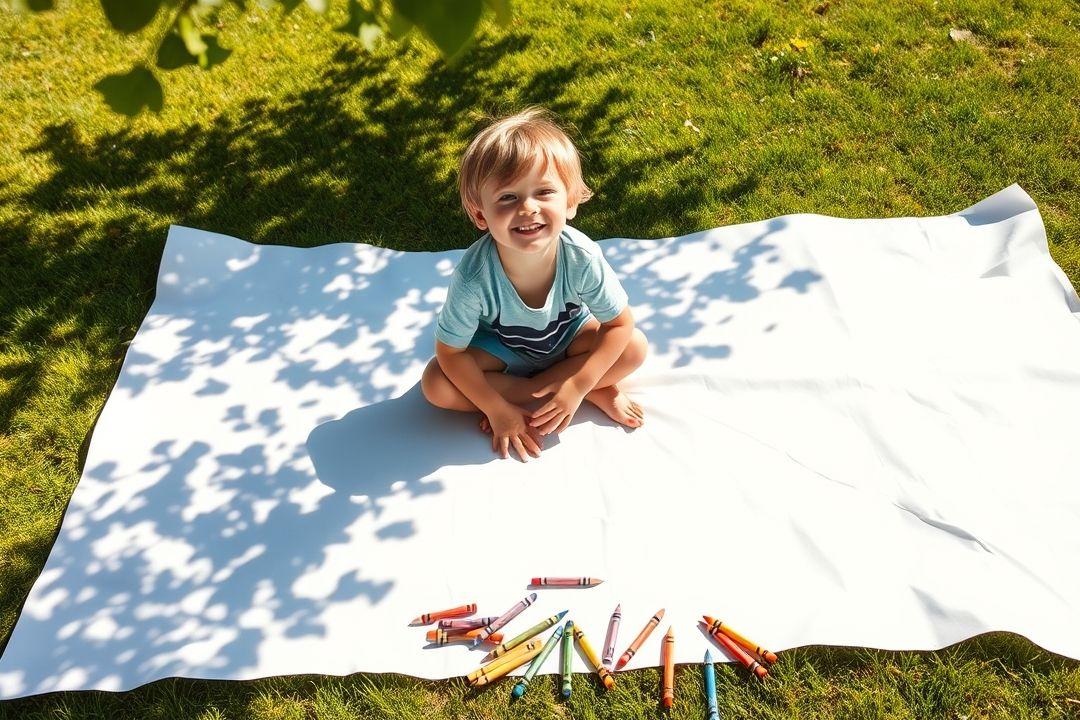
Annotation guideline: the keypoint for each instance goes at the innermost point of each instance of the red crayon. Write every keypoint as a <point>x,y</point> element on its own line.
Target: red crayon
<point>738,653</point>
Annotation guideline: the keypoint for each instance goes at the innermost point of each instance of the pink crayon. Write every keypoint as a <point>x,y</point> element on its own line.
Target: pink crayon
<point>612,633</point>
<point>565,582</point>
<point>466,624</point>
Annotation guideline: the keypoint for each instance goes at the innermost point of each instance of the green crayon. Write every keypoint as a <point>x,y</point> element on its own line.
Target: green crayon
<point>523,683</point>
<point>567,656</point>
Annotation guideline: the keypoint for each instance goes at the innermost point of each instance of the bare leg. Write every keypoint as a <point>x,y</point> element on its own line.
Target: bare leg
<point>606,395</point>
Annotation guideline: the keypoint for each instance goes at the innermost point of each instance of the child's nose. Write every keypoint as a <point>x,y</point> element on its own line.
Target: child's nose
<point>529,206</point>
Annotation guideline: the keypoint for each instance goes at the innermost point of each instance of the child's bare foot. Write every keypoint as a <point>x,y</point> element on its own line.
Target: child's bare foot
<point>617,405</point>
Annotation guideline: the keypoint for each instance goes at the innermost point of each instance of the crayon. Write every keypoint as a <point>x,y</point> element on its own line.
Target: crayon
<point>641,638</point>
<point>523,683</point>
<point>459,611</point>
<point>738,653</point>
<point>467,624</point>
<point>445,637</point>
<point>531,632</point>
<point>504,618</point>
<point>667,657</point>
<point>710,687</point>
<point>567,650</point>
<point>714,625</point>
<point>507,658</point>
<point>612,634</point>
<point>605,675</point>
<point>565,582</point>
<point>515,662</point>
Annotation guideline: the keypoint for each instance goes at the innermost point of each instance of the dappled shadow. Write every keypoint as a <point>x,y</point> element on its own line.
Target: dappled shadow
<point>252,519</point>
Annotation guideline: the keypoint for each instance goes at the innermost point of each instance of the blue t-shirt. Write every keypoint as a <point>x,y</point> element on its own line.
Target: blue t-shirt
<point>482,300</point>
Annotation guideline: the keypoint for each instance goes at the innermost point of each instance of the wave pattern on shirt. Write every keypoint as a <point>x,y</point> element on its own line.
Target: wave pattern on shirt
<point>533,341</point>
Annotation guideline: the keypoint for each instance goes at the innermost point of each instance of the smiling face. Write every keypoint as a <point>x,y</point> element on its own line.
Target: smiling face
<point>525,214</point>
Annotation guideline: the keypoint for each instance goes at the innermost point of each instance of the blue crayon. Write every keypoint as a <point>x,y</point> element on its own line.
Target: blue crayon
<point>523,683</point>
<point>710,687</point>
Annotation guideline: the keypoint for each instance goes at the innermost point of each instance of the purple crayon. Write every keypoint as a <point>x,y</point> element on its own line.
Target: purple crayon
<point>612,633</point>
<point>504,618</point>
<point>467,623</point>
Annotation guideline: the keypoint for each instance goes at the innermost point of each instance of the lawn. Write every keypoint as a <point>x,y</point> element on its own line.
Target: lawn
<point>689,116</point>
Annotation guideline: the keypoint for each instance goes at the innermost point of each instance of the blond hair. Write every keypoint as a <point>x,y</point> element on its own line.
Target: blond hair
<point>508,147</point>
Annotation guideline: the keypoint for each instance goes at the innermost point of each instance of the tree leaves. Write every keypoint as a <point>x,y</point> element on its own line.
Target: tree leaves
<point>449,23</point>
<point>128,93</point>
<point>20,6</point>
<point>503,12</point>
<point>362,24</point>
<point>173,53</point>
<point>130,16</point>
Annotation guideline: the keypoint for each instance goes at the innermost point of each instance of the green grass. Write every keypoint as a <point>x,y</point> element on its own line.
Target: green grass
<point>302,139</point>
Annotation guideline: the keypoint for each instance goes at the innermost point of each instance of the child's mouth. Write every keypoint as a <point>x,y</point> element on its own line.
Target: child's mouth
<point>530,230</point>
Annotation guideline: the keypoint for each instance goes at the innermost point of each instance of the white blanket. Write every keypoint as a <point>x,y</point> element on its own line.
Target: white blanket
<point>859,432</point>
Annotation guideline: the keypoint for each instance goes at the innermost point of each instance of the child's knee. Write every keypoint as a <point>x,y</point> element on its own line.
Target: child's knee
<point>435,385</point>
<point>637,348</point>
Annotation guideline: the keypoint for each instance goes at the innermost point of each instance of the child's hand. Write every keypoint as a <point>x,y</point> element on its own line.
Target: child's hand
<point>509,428</point>
<point>556,413</point>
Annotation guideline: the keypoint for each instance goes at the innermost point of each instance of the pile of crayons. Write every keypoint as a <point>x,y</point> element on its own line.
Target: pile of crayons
<point>526,647</point>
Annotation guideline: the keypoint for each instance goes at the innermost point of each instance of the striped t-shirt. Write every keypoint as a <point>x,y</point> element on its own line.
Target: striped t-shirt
<point>481,298</point>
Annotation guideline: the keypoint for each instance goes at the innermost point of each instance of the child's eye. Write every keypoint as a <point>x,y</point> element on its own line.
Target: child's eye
<point>507,196</point>
<point>547,191</point>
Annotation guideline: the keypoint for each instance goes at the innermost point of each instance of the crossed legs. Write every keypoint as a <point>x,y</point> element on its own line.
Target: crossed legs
<point>441,392</point>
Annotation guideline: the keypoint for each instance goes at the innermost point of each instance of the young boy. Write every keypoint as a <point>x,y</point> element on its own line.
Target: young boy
<point>533,310</point>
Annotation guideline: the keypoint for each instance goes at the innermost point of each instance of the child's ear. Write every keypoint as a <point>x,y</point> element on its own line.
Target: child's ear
<point>477,216</point>
<point>571,209</point>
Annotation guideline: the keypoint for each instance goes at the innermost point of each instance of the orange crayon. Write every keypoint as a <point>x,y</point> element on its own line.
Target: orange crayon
<point>716,625</point>
<point>738,653</point>
<point>444,637</point>
<point>667,657</point>
<point>640,639</point>
<point>459,611</point>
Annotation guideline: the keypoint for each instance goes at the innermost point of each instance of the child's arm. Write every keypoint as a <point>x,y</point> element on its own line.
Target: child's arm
<point>462,370</point>
<point>611,340</point>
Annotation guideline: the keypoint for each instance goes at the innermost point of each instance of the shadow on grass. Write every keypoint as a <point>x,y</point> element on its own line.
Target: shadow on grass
<point>83,245</point>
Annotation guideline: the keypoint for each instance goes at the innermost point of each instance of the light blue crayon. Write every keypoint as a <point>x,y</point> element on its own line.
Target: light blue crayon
<point>710,687</point>
<point>567,653</point>
<point>523,683</point>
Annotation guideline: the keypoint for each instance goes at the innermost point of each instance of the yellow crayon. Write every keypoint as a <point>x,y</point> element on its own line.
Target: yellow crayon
<point>514,662</point>
<point>507,658</point>
<point>605,675</point>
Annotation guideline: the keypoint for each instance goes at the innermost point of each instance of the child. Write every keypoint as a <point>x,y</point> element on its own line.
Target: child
<point>533,310</point>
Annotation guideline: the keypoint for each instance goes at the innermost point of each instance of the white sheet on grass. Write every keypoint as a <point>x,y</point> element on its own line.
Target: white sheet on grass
<point>859,432</point>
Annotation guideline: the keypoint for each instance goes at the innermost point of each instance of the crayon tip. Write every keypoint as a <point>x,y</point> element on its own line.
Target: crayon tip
<point>566,693</point>
<point>708,656</point>
<point>518,691</point>
<point>619,665</point>
<point>560,616</point>
<point>535,581</point>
